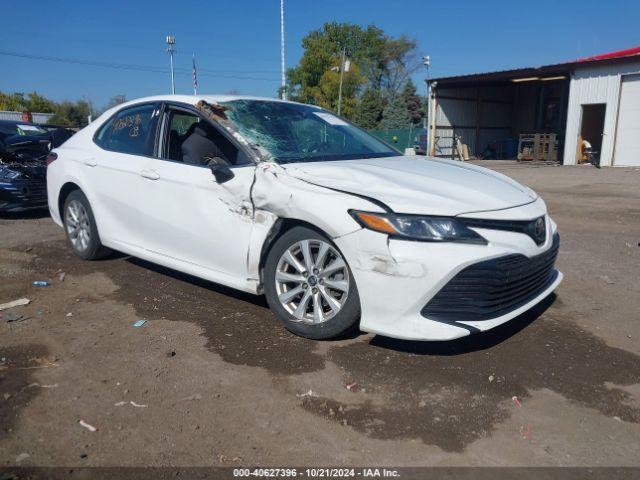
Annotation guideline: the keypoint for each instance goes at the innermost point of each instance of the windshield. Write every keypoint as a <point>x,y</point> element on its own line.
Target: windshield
<point>291,132</point>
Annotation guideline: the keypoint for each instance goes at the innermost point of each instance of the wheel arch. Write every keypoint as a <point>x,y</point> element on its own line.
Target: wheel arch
<point>279,228</point>
<point>66,189</point>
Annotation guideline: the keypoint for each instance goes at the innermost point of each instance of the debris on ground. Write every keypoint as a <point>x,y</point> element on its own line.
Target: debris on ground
<point>607,280</point>
<point>195,396</point>
<point>352,385</point>
<point>69,314</point>
<point>40,283</point>
<point>54,385</point>
<point>491,378</point>
<point>84,424</point>
<point>16,303</point>
<point>61,276</point>
<point>13,317</point>
<point>309,393</point>
<point>139,323</point>
<point>120,404</point>
<point>22,457</point>
<point>172,353</point>
<point>516,401</point>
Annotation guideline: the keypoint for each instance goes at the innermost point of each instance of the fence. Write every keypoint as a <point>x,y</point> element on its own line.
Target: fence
<point>17,116</point>
<point>400,138</point>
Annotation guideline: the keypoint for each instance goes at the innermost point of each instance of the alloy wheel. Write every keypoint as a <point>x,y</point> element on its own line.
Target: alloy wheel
<point>312,281</point>
<point>78,225</point>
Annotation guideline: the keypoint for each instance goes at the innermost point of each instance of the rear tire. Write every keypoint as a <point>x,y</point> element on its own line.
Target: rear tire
<point>309,285</point>
<point>81,229</point>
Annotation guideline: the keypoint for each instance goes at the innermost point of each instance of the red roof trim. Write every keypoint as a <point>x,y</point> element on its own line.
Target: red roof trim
<point>608,56</point>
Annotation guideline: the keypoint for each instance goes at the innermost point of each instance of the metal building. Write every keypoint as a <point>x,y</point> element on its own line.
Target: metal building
<point>494,114</point>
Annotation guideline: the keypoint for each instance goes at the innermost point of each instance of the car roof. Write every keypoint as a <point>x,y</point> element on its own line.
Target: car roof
<point>194,99</point>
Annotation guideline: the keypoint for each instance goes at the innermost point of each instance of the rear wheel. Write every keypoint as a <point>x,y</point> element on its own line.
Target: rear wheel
<point>80,227</point>
<point>309,285</point>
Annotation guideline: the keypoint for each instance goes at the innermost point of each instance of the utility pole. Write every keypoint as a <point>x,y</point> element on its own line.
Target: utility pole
<point>342,68</point>
<point>426,61</point>
<point>283,83</point>
<point>171,41</point>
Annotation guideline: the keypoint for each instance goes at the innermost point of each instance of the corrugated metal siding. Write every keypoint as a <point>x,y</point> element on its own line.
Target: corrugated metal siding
<point>458,107</point>
<point>599,84</point>
<point>17,116</point>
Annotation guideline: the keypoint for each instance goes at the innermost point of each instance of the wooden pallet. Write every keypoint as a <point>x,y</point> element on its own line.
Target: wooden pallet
<point>538,147</point>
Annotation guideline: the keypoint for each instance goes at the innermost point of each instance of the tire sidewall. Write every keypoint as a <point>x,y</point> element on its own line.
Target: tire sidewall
<point>345,320</point>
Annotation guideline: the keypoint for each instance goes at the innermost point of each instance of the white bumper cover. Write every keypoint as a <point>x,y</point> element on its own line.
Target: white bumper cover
<point>397,278</point>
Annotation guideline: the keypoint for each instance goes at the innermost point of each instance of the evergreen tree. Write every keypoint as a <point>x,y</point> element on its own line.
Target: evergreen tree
<point>396,114</point>
<point>369,110</point>
<point>413,102</point>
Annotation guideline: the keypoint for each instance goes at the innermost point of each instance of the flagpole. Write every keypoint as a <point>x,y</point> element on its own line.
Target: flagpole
<point>195,76</point>
<point>283,80</point>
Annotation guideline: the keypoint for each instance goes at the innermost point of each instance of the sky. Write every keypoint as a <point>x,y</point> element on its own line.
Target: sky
<point>237,43</point>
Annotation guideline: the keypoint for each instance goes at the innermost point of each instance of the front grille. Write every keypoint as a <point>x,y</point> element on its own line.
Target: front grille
<point>495,287</point>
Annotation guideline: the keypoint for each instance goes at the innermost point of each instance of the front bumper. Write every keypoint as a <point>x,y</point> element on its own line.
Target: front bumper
<point>22,195</point>
<point>397,279</point>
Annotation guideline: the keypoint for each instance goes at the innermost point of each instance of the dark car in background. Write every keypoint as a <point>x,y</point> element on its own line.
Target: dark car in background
<point>24,148</point>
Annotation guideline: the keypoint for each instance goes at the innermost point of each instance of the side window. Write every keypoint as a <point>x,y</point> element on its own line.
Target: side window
<point>132,130</point>
<point>194,141</point>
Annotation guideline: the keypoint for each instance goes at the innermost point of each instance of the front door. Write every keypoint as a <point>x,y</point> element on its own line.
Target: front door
<point>203,225</point>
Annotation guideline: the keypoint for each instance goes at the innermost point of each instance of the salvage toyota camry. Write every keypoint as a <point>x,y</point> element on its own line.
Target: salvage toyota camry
<point>334,226</point>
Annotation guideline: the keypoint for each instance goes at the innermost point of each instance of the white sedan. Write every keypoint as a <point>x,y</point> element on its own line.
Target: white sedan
<point>336,228</point>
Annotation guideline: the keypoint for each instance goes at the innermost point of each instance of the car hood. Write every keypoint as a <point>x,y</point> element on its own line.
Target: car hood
<point>418,184</point>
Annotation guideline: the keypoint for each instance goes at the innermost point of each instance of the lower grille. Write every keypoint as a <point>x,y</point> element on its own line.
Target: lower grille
<point>495,287</point>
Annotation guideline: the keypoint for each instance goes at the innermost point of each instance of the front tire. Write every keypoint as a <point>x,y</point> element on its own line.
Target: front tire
<point>80,227</point>
<point>309,285</point>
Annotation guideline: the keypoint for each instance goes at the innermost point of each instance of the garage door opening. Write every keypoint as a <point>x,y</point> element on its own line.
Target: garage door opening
<point>591,130</point>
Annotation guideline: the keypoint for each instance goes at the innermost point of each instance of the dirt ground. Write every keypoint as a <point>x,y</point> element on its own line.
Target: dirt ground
<point>215,380</point>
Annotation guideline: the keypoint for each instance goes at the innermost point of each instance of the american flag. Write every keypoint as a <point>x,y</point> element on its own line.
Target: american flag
<point>195,76</point>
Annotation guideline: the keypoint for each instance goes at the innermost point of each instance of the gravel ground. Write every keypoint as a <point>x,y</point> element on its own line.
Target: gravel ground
<point>212,378</point>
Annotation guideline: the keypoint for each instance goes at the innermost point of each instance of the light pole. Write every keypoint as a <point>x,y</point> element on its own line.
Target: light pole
<point>283,93</point>
<point>171,41</point>
<point>344,67</point>
<point>426,61</point>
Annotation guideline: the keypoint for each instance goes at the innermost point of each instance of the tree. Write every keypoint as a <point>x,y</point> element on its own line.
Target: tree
<point>413,101</point>
<point>369,109</point>
<point>40,104</point>
<point>396,114</point>
<point>383,63</point>
<point>115,101</point>
<point>34,102</point>
<point>327,93</point>
<point>70,114</point>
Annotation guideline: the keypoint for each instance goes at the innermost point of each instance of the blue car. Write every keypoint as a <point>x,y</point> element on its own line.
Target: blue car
<point>24,148</point>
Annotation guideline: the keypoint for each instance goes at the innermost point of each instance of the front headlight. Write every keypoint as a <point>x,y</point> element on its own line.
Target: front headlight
<point>6,174</point>
<point>418,227</point>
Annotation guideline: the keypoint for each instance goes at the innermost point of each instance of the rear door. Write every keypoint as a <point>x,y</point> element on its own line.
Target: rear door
<point>127,142</point>
<point>195,221</point>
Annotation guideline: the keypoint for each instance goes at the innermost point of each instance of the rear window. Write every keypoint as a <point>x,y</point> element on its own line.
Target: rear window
<point>132,130</point>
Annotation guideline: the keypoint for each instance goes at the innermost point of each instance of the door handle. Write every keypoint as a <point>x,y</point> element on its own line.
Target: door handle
<point>90,162</point>
<point>150,174</point>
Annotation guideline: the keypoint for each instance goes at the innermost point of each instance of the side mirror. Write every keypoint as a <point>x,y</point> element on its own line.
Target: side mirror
<point>221,171</point>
